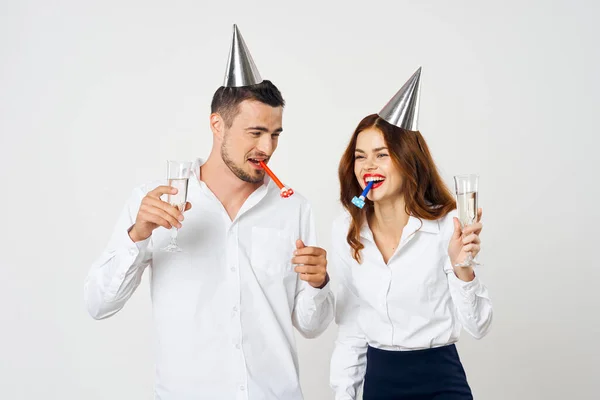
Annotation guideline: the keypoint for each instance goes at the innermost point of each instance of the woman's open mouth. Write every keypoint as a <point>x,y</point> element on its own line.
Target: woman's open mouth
<point>375,178</point>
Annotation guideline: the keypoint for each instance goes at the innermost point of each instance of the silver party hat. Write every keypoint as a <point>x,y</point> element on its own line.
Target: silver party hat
<point>403,109</point>
<point>241,70</point>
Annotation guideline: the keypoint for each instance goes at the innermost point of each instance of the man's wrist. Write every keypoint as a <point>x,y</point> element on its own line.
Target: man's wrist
<point>133,235</point>
<point>324,283</point>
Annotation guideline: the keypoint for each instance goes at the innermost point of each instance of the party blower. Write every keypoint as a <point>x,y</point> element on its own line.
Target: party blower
<point>360,201</point>
<point>285,191</point>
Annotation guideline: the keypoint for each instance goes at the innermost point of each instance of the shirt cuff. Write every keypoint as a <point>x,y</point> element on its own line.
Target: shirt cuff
<point>131,256</point>
<point>318,295</point>
<point>135,248</point>
<point>464,285</point>
<point>467,289</point>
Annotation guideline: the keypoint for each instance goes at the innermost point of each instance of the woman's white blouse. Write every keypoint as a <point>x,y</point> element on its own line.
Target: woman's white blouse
<point>415,301</point>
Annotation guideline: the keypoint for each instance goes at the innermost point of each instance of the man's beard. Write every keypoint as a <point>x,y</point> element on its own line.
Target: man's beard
<point>237,171</point>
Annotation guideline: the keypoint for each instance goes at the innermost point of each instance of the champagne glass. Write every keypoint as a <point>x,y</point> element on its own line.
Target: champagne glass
<point>466,202</point>
<point>178,174</point>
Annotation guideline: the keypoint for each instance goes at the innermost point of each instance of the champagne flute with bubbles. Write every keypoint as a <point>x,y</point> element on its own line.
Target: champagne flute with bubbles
<point>178,174</point>
<point>466,202</point>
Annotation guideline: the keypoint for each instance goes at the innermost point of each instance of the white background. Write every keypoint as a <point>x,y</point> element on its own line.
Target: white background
<point>95,96</point>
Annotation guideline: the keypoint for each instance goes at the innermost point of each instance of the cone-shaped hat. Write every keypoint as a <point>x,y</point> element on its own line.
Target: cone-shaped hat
<point>403,109</point>
<point>241,70</point>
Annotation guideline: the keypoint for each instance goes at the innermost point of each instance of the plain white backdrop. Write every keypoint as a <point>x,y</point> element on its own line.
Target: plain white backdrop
<point>95,96</point>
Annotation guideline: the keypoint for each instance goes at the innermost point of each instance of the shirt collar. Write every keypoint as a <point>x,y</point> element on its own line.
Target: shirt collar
<point>430,226</point>
<point>413,225</point>
<point>257,196</point>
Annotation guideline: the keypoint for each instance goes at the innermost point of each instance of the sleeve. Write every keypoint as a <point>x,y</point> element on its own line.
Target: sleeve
<point>313,308</point>
<point>471,299</point>
<point>117,272</point>
<point>349,359</point>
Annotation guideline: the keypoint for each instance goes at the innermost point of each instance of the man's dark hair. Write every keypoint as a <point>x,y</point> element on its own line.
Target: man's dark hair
<point>227,99</point>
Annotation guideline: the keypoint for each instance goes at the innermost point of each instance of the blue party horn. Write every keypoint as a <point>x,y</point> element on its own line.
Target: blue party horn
<point>360,201</point>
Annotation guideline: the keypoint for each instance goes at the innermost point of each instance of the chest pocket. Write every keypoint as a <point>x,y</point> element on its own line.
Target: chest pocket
<point>271,252</point>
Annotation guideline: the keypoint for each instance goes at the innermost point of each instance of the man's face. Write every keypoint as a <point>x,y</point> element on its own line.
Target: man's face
<point>252,136</point>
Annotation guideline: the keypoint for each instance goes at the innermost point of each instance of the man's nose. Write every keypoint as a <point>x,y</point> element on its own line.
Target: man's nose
<point>265,145</point>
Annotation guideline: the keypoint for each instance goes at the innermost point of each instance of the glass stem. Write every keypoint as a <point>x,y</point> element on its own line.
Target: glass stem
<point>469,259</point>
<point>174,232</point>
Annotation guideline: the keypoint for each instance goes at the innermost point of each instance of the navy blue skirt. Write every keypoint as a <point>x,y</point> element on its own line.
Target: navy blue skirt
<point>430,374</point>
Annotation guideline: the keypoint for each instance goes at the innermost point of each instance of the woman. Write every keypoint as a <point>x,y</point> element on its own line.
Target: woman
<point>402,301</point>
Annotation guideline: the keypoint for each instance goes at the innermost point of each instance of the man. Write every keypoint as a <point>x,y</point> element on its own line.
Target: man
<point>225,307</point>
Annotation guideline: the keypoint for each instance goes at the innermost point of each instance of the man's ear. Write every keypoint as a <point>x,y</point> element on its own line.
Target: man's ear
<point>217,125</point>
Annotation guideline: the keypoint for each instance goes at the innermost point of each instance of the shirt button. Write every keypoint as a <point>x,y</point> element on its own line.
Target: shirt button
<point>242,388</point>
<point>237,346</point>
<point>232,269</point>
<point>235,308</point>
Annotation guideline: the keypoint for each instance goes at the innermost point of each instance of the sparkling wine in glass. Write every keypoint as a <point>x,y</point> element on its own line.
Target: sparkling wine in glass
<point>466,202</point>
<point>178,174</point>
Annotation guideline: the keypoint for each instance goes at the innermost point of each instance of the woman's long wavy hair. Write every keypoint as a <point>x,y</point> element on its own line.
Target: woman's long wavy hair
<point>425,193</point>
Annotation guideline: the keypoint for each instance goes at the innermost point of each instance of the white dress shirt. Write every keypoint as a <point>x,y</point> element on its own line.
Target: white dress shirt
<point>415,301</point>
<point>225,308</point>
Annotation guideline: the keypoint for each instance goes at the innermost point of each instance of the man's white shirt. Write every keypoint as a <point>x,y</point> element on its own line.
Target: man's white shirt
<point>224,308</point>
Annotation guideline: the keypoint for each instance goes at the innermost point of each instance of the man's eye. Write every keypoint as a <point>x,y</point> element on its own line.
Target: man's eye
<point>275,135</point>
